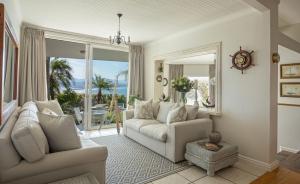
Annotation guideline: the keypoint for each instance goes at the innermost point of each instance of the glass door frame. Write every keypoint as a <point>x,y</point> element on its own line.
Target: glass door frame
<point>90,43</point>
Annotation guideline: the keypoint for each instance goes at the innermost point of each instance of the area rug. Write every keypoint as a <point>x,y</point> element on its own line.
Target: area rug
<point>131,163</point>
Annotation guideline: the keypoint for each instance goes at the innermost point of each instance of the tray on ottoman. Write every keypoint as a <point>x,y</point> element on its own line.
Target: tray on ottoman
<point>210,160</point>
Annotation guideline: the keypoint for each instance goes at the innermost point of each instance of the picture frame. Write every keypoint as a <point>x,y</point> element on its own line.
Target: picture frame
<point>290,89</point>
<point>290,71</point>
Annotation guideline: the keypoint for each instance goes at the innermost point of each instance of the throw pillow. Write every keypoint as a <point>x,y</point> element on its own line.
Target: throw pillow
<point>60,131</point>
<point>155,106</point>
<point>164,108</point>
<point>143,109</point>
<point>53,105</point>
<point>49,112</point>
<point>177,114</point>
<point>29,139</point>
<point>192,111</point>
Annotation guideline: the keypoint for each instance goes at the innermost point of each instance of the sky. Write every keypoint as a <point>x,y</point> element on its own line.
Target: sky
<point>107,69</point>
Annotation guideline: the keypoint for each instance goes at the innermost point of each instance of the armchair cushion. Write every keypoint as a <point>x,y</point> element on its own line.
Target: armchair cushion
<point>60,131</point>
<point>51,104</point>
<point>192,111</point>
<point>29,139</point>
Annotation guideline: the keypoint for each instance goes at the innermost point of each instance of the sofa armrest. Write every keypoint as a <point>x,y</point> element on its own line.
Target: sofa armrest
<point>180,133</point>
<point>88,154</point>
<point>128,114</point>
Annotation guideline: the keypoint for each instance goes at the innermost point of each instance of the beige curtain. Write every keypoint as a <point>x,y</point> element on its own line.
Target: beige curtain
<point>136,70</point>
<point>33,80</point>
<point>175,71</point>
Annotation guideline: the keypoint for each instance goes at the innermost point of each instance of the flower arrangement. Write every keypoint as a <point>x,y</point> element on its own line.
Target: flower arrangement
<point>182,84</point>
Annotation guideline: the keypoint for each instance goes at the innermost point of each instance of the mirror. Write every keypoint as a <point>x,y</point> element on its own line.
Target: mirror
<point>8,67</point>
<point>202,67</point>
<point>9,60</point>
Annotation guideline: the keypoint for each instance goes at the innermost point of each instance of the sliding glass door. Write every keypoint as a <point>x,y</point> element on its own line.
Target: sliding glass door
<point>88,82</point>
<point>108,87</point>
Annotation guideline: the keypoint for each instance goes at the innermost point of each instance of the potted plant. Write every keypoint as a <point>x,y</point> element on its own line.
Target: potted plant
<point>182,85</point>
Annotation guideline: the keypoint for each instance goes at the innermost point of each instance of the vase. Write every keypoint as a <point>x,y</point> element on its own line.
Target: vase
<point>182,97</point>
<point>215,137</point>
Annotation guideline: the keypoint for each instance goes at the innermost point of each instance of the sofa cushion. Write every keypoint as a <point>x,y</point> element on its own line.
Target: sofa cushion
<point>60,131</point>
<point>29,139</point>
<point>29,106</point>
<point>192,111</point>
<point>143,109</point>
<point>177,114</point>
<point>155,131</point>
<point>28,114</point>
<point>53,105</point>
<point>164,108</point>
<point>136,124</point>
<point>9,156</point>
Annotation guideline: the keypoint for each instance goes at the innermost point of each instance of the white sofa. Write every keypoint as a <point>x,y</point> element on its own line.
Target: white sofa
<point>90,158</point>
<point>166,140</point>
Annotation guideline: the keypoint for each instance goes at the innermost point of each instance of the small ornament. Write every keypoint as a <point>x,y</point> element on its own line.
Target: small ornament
<point>276,58</point>
<point>242,60</point>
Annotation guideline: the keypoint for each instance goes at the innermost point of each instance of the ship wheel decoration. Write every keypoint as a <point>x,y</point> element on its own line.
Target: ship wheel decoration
<point>242,60</point>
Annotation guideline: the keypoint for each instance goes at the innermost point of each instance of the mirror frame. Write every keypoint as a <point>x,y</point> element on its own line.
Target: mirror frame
<point>5,27</point>
<point>217,47</point>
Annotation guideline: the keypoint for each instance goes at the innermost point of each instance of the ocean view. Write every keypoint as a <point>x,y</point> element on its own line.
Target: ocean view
<point>121,90</point>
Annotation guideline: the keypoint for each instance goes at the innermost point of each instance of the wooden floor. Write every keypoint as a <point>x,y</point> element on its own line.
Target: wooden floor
<point>280,175</point>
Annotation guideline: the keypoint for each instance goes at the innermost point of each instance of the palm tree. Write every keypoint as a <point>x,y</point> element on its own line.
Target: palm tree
<point>60,74</point>
<point>101,83</point>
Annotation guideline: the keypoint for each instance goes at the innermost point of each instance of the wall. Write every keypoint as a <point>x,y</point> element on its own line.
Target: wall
<point>196,70</point>
<point>288,116</point>
<point>245,119</point>
<point>13,11</point>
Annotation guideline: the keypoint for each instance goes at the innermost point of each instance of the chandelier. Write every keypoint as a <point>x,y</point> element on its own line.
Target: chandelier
<point>118,39</point>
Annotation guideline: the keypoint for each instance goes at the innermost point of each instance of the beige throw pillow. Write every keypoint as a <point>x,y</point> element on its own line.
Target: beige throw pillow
<point>164,108</point>
<point>60,131</point>
<point>143,109</point>
<point>29,139</point>
<point>192,111</point>
<point>53,105</point>
<point>155,106</point>
<point>177,114</point>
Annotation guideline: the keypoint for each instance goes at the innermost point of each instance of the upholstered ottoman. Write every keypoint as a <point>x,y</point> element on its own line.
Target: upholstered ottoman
<point>210,160</point>
<point>82,179</point>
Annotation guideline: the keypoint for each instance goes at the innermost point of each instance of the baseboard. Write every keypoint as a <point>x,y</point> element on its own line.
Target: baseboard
<point>282,148</point>
<point>256,163</point>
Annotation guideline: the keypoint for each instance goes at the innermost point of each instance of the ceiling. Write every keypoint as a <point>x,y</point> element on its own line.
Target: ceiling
<point>289,12</point>
<point>143,20</point>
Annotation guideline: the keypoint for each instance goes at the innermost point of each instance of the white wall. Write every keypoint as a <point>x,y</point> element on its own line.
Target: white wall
<point>196,70</point>
<point>288,116</point>
<point>13,11</point>
<point>245,98</point>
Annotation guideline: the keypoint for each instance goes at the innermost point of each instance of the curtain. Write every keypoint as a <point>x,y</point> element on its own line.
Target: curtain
<point>136,68</point>
<point>33,80</point>
<point>175,71</point>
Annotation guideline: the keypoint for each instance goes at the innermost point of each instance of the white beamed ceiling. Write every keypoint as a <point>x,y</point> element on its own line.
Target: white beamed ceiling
<point>143,20</point>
